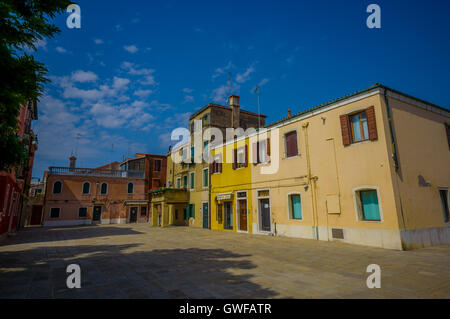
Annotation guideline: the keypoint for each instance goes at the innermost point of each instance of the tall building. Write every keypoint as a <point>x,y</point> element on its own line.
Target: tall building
<point>186,200</point>
<point>14,183</point>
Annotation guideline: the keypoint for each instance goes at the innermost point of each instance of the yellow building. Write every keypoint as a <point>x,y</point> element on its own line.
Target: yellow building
<point>231,207</point>
<point>370,168</point>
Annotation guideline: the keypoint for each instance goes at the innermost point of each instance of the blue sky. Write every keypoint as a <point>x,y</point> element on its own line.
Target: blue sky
<point>137,69</point>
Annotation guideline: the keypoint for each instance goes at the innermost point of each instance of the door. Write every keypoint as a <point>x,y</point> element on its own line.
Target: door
<point>264,214</point>
<point>133,214</point>
<point>205,216</point>
<point>228,215</point>
<point>159,215</point>
<point>97,214</point>
<point>36,215</point>
<point>242,204</point>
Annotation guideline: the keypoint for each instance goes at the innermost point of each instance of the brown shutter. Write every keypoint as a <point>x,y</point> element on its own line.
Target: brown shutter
<point>291,144</point>
<point>371,123</point>
<point>235,158</point>
<point>211,167</point>
<point>345,128</point>
<point>268,147</point>
<point>246,156</point>
<point>447,128</point>
<point>220,163</point>
<point>255,153</point>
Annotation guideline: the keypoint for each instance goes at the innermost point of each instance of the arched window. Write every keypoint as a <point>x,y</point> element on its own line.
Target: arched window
<point>130,188</point>
<point>86,188</point>
<point>104,189</point>
<point>57,187</point>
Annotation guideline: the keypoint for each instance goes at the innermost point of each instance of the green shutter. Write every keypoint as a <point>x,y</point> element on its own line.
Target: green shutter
<point>296,207</point>
<point>369,203</point>
<point>193,211</point>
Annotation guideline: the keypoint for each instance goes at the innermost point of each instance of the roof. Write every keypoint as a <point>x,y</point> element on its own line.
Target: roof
<point>375,86</point>
<point>222,107</point>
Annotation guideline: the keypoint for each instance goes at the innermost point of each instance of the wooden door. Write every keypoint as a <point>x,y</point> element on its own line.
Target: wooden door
<point>36,215</point>
<point>133,214</point>
<point>243,214</point>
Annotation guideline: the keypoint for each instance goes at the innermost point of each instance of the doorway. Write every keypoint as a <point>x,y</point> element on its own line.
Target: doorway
<point>133,214</point>
<point>36,215</point>
<point>228,207</point>
<point>97,214</point>
<point>242,209</point>
<point>205,215</point>
<point>264,214</point>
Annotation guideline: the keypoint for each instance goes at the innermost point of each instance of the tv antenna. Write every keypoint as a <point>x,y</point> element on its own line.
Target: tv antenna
<point>258,93</point>
<point>76,144</point>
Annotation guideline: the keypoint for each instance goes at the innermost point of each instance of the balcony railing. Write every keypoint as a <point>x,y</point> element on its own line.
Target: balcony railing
<point>95,172</point>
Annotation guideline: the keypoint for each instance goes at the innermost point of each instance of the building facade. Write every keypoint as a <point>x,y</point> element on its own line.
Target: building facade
<point>111,194</point>
<point>371,168</point>
<point>191,170</point>
<point>14,183</point>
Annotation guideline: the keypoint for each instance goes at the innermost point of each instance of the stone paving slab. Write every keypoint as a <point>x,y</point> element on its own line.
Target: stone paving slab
<point>140,261</point>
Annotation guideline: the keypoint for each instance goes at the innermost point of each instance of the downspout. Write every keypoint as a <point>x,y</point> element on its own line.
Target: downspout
<point>311,181</point>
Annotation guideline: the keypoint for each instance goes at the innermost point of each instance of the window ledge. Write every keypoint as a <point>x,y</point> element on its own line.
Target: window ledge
<point>295,156</point>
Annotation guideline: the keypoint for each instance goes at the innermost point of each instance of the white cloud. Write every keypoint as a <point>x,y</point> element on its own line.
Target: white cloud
<point>219,71</point>
<point>244,77</point>
<point>61,50</point>
<point>41,43</point>
<point>187,90</point>
<point>148,80</point>
<point>98,41</point>
<point>143,93</point>
<point>188,98</point>
<point>263,81</point>
<point>120,83</point>
<point>131,48</point>
<point>84,76</point>
<point>135,70</point>
<point>219,95</point>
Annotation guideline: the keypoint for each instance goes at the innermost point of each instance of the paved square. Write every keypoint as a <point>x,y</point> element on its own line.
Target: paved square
<point>139,261</point>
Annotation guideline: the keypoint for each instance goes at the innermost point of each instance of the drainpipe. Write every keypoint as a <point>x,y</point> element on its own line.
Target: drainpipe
<point>312,182</point>
<point>391,131</point>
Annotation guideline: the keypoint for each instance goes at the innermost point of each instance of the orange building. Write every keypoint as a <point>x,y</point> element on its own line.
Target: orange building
<point>110,194</point>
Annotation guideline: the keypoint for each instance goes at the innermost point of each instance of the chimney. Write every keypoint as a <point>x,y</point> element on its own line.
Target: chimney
<point>234,104</point>
<point>289,113</point>
<point>72,161</point>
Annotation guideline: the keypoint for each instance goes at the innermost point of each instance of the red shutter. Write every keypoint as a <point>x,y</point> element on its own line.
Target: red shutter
<point>291,144</point>
<point>447,128</point>
<point>235,158</point>
<point>246,156</point>
<point>255,153</point>
<point>371,123</point>
<point>345,128</point>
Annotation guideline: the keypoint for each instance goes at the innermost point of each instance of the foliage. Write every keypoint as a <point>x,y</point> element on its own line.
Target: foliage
<point>22,24</point>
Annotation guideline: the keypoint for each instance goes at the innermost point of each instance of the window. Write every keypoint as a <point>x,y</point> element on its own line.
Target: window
<point>185,181</point>
<point>86,188</point>
<point>206,150</point>
<point>443,193</point>
<point>205,177</point>
<point>240,158</point>
<point>157,165</point>
<point>192,180</point>
<point>143,211</point>
<point>130,188</point>
<point>359,126</point>
<point>205,119</point>
<point>219,213</point>
<point>57,187</point>
<point>82,212</point>
<point>291,147</point>
<point>295,206</point>
<point>178,182</point>
<point>216,165</point>
<point>360,130</point>
<point>176,214</point>
<point>54,212</point>
<point>192,154</point>
<point>447,130</point>
<point>367,205</point>
<point>228,215</point>
<point>104,189</point>
<point>184,154</point>
<point>184,213</point>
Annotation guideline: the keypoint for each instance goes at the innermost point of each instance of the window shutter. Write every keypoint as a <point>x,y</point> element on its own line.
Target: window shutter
<point>255,153</point>
<point>246,156</point>
<point>220,164</point>
<point>212,167</point>
<point>447,128</point>
<point>291,144</point>
<point>234,158</point>
<point>345,128</point>
<point>193,211</point>
<point>268,147</point>
<point>371,123</point>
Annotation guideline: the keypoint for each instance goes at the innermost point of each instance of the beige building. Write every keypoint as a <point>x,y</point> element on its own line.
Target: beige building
<point>371,168</point>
